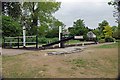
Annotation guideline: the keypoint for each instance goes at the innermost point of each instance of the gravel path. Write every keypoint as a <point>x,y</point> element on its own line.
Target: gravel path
<point>14,51</point>
<point>11,52</point>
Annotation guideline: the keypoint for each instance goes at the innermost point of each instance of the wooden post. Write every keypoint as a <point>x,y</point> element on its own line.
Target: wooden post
<point>4,42</point>
<point>18,42</point>
<point>61,43</point>
<point>60,36</point>
<point>37,42</point>
<point>24,37</point>
<point>83,44</point>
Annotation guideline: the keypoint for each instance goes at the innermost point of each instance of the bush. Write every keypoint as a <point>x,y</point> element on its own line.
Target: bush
<point>33,39</point>
<point>42,40</point>
<point>54,39</point>
<point>10,27</point>
<point>101,40</point>
<point>109,39</point>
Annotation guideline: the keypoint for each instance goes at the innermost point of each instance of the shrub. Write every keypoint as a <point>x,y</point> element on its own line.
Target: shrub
<point>10,27</point>
<point>114,39</point>
<point>33,39</point>
<point>55,39</point>
<point>101,40</point>
<point>42,40</point>
<point>109,39</point>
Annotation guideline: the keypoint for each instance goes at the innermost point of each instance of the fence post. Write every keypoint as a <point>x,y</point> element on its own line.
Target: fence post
<point>4,42</point>
<point>18,42</point>
<point>37,42</point>
<point>62,42</point>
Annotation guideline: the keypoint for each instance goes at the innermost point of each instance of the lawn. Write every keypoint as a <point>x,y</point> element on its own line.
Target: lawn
<point>91,63</point>
<point>73,41</point>
<point>113,45</point>
<point>0,65</point>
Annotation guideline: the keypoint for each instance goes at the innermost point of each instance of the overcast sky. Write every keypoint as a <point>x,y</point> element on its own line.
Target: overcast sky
<point>91,11</point>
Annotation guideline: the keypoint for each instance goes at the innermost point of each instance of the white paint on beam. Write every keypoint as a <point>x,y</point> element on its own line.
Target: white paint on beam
<point>60,31</point>
<point>78,37</point>
<point>24,39</point>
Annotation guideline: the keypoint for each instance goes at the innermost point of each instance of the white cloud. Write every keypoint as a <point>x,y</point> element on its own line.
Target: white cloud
<point>94,1</point>
<point>92,13</point>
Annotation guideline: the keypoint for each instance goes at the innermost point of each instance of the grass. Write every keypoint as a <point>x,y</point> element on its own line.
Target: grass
<point>83,65</point>
<point>0,65</point>
<point>95,66</point>
<point>77,63</point>
<point>72,41</point>
<point>114,45</point>
<point>17,66</point>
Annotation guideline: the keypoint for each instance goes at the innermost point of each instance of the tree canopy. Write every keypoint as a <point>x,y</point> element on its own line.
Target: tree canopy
<point>36,13</point>
<point>78,28</point>
<point>41,11</point>
<point>10,27</point>
<point>108,31</point>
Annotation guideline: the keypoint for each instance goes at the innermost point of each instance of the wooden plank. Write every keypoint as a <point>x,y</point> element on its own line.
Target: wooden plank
<point>78,37</point>
<point>20,42</point>
<point>21,37</point>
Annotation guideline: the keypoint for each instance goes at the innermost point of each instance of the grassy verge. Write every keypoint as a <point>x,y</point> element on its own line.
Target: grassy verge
<point>114,45</point>
<point>94,63</point>
<point>72,42</point>
<point>20,67</point>
<point>106,66</point>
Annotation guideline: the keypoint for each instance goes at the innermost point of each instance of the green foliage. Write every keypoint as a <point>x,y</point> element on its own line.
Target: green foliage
<point>42,31</point>
<point>114,45</point>
<point>10,27</point>
<point>116,4</point>
<point>109,39</point>
<point>71,30</point>
<point>85,37</point>
<point>78,28</point>
<point>101,40</point>
<point>52,33</point>
<point>13,9</point>
<point>54,39</point>
<point>96,32</point>
<point>107,31</point>
<point>44,40</point>
<point>53,30</point>
<point>103,23</point>
<point>42,11</point>
<point>115,32</point>
<point>101,27</point>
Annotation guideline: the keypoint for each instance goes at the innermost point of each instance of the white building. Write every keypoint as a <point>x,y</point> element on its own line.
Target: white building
<point>90,34</point>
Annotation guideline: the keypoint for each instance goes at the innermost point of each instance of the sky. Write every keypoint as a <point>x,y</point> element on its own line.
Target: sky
<point>91,11</point>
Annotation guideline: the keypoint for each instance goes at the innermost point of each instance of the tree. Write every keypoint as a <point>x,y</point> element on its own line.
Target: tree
<point>107,31</point>
<point>72,31</point>
<point>12,9</point>
<point>96,32</point>
<point>10,27</point>
<point>116,13</point>
<point>101,28</point>
<point>36,11</point>
<point>102,24</point>
<point>78,28</point>
<point>53,30</point>
<point>115,32</point>
<point>41,11</point>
